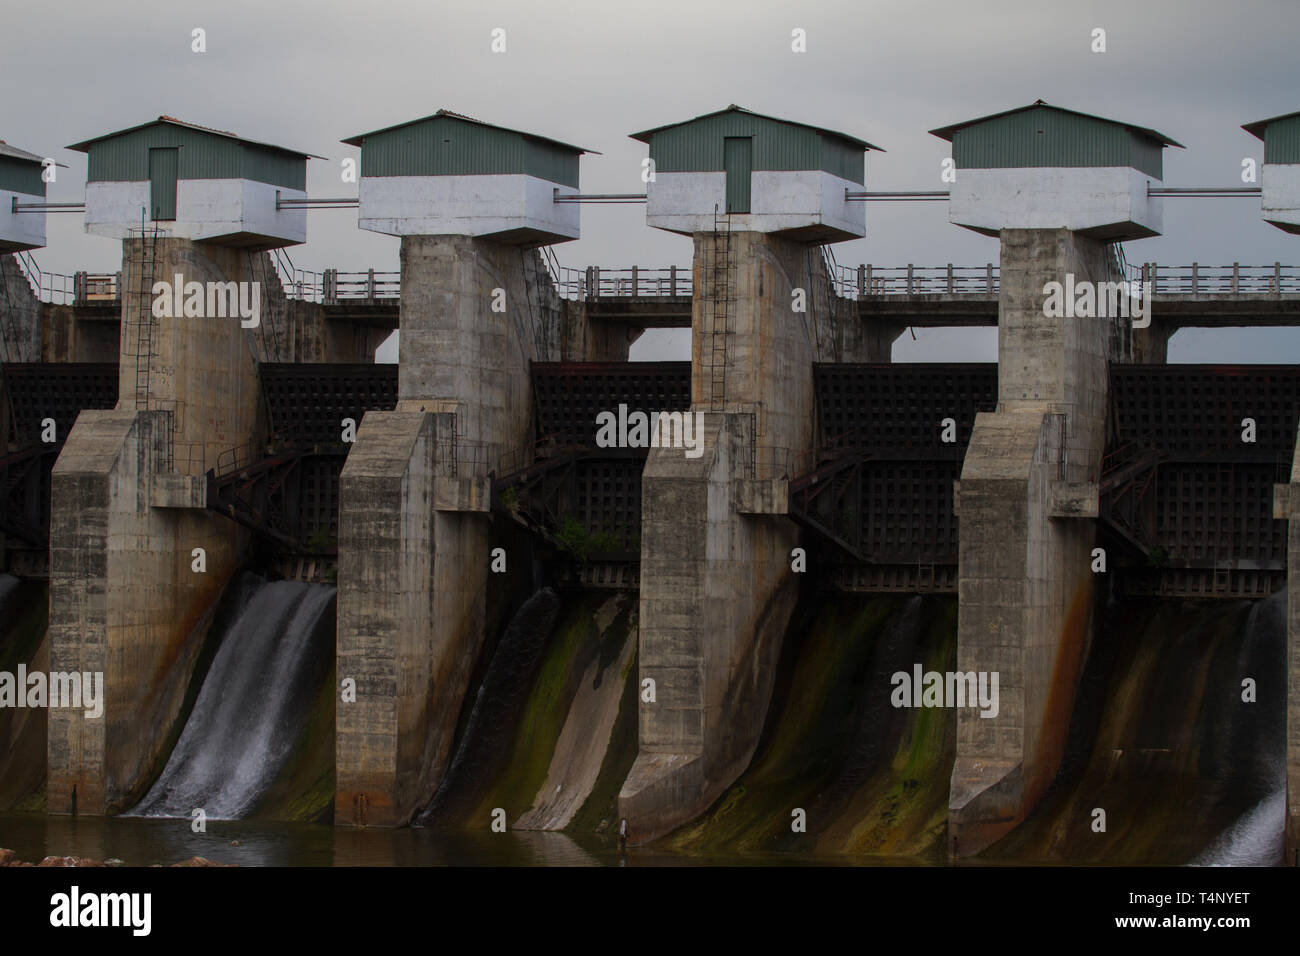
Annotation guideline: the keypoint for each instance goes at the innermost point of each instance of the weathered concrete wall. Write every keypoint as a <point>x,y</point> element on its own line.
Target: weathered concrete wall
<point>413,519</point>
<point>20,314</point>
<point>457,348</point>
<point>71,337</point>
<point>1287,505</point>
<point>411,610</point>
<point>124,601</point>
<point>1025,581</point>
<point>124,597</point>
<point>201,368</point>
<point>293,330</point>
<point>587,339</point>
<point>717,591</point>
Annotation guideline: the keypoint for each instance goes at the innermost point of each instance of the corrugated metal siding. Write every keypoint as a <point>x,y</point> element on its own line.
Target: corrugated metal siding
<point>551,163</point>
<point>264,165</point>
<point>446,146</point>
<point>738,158</point>
<point>163,163</point>
<point>843,159</point>
<point>21,176</point>
<point>697,146</point>
<point>125,158</point>
<point>1044,137</point>
<point>1282,141</point>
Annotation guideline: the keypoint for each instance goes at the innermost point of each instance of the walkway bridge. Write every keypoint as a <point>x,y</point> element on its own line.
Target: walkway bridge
<point>921,296</point>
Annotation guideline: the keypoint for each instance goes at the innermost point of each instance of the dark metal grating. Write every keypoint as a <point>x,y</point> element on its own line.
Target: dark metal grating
<point>58,390</point>
<point>308,402</point>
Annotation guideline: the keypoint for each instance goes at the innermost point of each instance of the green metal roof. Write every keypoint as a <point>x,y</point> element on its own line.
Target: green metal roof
<point>1281,136</point>
<point>21,171</point>
<point>84,147</point>
<point>645,135</point>
<point>946,132</point>
<point>13,152</point>
<point>1256,129</point>
<point>361,138</point>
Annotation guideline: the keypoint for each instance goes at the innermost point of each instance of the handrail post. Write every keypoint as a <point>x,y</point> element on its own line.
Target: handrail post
<point>635,276</point>
<point>950,278</point>
<point>988,277</point>
<point>672,281</point>
<point>370,285</point>
<point>1236,275</point>
<point>1196,278</point>
<point>862,284</point>
<point>595,271</point>
<point>909,278</point>
<point>1277,279</point>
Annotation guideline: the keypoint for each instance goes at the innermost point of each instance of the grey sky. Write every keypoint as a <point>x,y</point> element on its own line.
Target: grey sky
<point>306,74</point>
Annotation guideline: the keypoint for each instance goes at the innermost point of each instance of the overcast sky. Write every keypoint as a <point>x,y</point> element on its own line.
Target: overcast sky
<point>306,74</point>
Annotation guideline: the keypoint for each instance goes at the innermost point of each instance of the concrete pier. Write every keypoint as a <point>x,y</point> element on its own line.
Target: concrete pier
<point>1028,486</point>
<point>127,504</point>
<point>717,589</point>
<point>413,515</point>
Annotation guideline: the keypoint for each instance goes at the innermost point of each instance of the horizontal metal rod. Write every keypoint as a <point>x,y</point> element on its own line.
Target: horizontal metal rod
<point>1208,192</point>
<point>320,203</point>
<point>905,195</point>
<point>598,197</point>
<point>17,206</point>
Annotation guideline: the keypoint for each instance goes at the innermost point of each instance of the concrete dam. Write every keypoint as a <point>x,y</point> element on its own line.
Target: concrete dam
<point>786,597</point>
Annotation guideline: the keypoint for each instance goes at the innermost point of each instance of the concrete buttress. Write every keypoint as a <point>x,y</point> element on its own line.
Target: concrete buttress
<point>1025,581</point>
<point>126,517</point>
<point>717,589</point>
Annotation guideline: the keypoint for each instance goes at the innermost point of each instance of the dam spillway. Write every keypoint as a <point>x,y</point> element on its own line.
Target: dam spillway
<point>527,624</point>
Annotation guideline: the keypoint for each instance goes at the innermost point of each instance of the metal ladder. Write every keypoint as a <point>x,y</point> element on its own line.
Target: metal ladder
<point>140,312</point>
<point>720,309</point>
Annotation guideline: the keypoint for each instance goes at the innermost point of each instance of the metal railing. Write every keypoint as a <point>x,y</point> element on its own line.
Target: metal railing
<point>334,286</point>
<point>595,282</point>
<point>866,280</point>
<point>1235,279</point>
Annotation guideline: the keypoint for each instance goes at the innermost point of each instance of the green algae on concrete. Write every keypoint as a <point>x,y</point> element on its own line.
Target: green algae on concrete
<point>870,778</point>
<point>23,730</point>
<point>1160,739</point>
<point>577,640</point>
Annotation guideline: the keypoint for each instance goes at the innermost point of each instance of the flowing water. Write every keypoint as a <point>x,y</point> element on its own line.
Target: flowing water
<point>1160,737</point>
<point>253,707</point>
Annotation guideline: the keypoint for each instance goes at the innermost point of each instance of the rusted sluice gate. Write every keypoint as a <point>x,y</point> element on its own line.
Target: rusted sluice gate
<point>583,500</point>
<point>1186,501</point>
<point>286,490</point>
<point>878,494</point>
<point>41,400</point>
